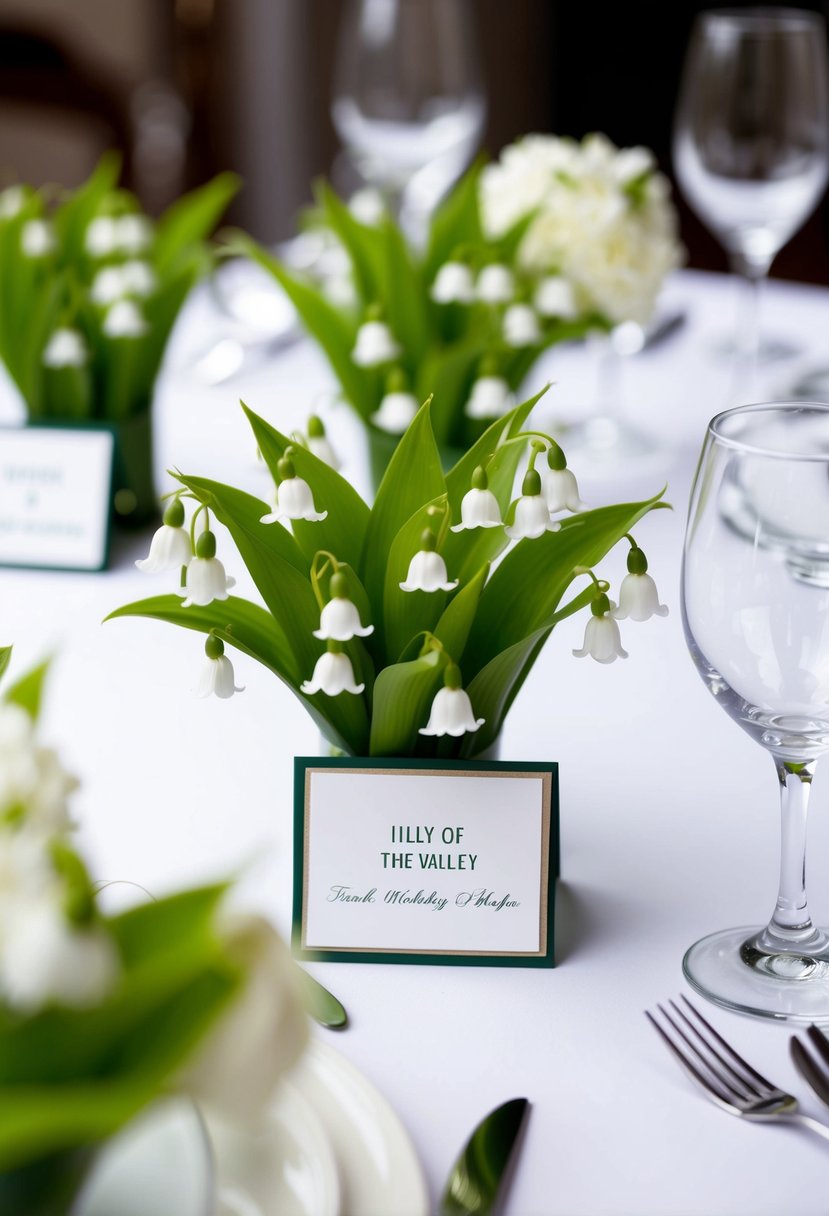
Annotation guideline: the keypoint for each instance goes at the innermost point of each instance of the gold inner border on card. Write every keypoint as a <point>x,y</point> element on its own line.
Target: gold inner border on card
<point>546,806</point>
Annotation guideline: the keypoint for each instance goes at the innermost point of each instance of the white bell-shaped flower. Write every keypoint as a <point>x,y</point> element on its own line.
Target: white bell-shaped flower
<point>496,284</point>
<point>217,677</point>
<point>479,506</point>
<point>340,619</point>
<point>44,959</point>
<point>101,237</point>
<point>12,201</point>
<point>65,348</point>
<point>397,408</point>
<point>124,320</point>
<point>554,297</point>
<point>133,233</point>
<point>602,640</point>
<point>368,206</point>
<point>490,398</point>
<point>451,712</point>
<point>294,499</point>
<point>340,290</point>
<point>205,579</point>
<point>170,546</point>
<point>453,284</point>
<point>427,569</point>
<point>520,326</point>
<point>319,443</point>
<point>333,674</point>
<point>138,278</point>
<point>638,597</point>
<point>107,286</point>
<point>375,345</point>
<point>560,485</point>
<point>37,239</point>
<point>532,515</point>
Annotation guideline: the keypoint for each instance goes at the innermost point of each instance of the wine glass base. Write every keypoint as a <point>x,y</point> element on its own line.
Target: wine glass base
<point>728,969</point>
<point>603,441</point>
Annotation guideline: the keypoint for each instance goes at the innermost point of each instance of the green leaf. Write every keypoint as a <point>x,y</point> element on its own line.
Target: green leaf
<point>405,297</point>
<point>413,476</point>
<point>248,627</point>
<point>73,217</point>
<point>343,531</point>
<point>329,328</point>
<point>452,630</point>
<point>191,219</point>
<point>457,221</point>
<point>448,372</point>
<point>403,695</point>
<point>28,691</point>
<point>407,613</point>
<point>459,478</point>
<point>186,920</point>
<point>363,245</point>
<point>5,659</point>
<point>496,685</point>
<point>528,584</point>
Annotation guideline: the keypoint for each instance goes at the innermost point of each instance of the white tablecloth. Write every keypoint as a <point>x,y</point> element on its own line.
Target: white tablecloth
<point>669,813</point>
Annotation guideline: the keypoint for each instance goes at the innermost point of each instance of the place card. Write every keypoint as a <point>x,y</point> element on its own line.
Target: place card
<point>425,861</point>
<point>55,496</point>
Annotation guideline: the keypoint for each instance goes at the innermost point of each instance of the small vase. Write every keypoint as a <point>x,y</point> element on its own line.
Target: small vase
<point>48,1186</point>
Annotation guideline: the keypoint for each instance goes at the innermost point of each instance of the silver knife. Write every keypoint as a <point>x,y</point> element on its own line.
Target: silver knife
<point>477,1177</point>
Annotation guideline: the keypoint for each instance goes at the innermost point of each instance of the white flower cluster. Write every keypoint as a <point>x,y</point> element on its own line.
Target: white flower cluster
<point>46,956</point>
<point>605,226</point>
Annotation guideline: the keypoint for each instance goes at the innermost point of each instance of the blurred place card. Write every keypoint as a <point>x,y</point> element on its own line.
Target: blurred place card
<point>55,495</point>
<point>425,861</point>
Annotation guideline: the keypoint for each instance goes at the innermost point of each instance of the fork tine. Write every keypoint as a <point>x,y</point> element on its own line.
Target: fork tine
<point>809,1070</point>
<point>746,1088</point>
<point>820,1043</point>
<point>686,1064</point>
<point>727,1047</point>
<point>719,1074</point>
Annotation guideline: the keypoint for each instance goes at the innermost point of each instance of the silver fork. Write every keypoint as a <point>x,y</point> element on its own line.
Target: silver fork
<point>723,1075</point>
<point>814,1071</point>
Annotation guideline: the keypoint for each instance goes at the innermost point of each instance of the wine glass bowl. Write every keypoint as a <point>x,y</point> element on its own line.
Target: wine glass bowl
<point>408,98</point>
<point>751,135</point>
<point>755,605</point>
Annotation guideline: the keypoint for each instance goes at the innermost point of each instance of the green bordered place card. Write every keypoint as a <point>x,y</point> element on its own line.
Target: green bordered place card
<point>55,496</point>
<point>425,861</point>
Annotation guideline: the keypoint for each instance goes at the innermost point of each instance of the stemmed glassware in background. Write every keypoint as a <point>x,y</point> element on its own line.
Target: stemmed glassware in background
<point>751,141</point>
<point>755,598</point>
<point>408,98</point>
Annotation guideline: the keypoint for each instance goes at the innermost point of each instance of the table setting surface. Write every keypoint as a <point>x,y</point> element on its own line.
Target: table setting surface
<point>663,801</point>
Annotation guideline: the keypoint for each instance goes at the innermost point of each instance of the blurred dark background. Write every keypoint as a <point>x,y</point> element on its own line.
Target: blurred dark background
<point>188,87</point>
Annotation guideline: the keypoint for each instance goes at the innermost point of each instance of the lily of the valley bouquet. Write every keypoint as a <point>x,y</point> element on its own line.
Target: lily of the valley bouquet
<point>554,240</point>
<point>91,289</point>
<point>406,628</point>
<point>101,1014</point>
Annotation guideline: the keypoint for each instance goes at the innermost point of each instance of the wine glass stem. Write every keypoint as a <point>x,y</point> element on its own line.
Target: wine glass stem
<point>791,923</point>
<point>752,273</point>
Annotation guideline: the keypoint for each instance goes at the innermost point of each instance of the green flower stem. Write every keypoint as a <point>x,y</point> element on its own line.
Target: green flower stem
<point>201,507</point>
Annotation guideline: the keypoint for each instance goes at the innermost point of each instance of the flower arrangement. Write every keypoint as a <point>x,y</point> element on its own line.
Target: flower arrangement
<point>100,1014</point>
<point>557,239</point>
<point>393,624</point>
<point>91,290</point>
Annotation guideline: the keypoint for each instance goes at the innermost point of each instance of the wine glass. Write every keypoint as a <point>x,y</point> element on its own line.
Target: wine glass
<point>408,97</point>
<point>751,141</point>
<point>755,603</point>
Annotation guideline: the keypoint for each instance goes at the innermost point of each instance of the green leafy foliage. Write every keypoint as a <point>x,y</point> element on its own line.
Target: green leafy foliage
<point>492,626</point>
<point>44,290</point>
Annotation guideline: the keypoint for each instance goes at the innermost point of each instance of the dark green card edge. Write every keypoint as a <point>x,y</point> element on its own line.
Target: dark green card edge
<point>44,424</point>
<point>302,763</point>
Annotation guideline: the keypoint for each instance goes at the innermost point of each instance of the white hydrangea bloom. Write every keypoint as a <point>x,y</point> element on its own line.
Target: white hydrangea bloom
<point>614,249</point>
<point>44,959</point>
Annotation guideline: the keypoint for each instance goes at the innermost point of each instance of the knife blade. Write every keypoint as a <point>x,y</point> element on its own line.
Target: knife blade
<point>476,1179</point>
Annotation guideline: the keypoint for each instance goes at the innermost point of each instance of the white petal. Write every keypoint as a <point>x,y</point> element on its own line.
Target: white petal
<point>520,326</point>
<point>453,284</point>
<point>37,239</point>
<point>375,345</point>
<point>495,285</point>
<point>532,518</point>
<point>479,509</point>
<point>427,572</point>
<point>490,398</point>
<point>451,714</point>
<point>639,599</point>
<point>333,674</point>
<point>320,447</point>
<point>395,413</point>
<point>124,320</point>
<point>206,581</point>
<point>294,500</point>
<point>562,491</point>
<point>101,236</point>
<point>169,550</point>
<point>554,297</point>
<point>65,348</point>
<point>340,621</point>
<point>602,641</point>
